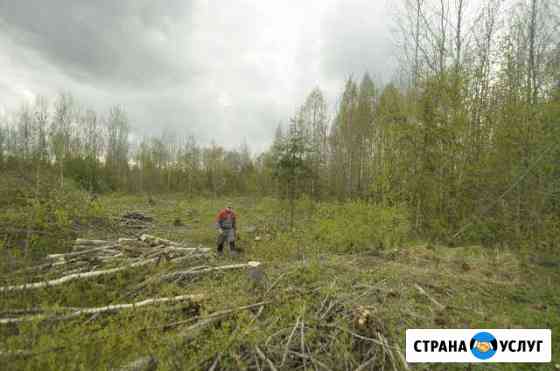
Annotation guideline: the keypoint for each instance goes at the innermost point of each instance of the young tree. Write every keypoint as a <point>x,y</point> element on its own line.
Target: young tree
<point>214,169</point>
<point>365,132</point>
<point>170,140</point>
<point>25,133</point>
<point>290,165</point>
<point>410,38</point>
<point>344,143</point>
<point>60,131</point>
<point>92,149</point>
<point>116,156</point>
<point>40,153</point>
<point>190,159</point>
<point>312,120</point>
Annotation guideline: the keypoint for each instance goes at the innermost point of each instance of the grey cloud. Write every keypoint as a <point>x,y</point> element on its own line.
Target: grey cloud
<point>117,42</point>
<point>221,70</point>
<point>358,39</point>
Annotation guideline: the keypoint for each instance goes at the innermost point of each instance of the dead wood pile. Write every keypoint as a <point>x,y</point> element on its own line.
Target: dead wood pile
<point>93,258</point>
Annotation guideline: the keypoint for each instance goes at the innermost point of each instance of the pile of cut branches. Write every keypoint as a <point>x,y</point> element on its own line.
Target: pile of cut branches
<point>331,336</point>
<point>92,258</point>
<point>289,322</point>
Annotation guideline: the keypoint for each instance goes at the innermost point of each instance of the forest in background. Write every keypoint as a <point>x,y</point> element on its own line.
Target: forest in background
<point>466,139</point>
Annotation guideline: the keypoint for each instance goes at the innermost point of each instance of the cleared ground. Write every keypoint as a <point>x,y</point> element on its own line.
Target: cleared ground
<point>307,308</point>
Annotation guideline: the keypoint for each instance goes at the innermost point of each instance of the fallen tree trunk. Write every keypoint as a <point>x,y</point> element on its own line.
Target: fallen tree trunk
<point>84,242</point>
<point>193,272</point>
<point>76,270</point>
<point>109,257</point>
<point>106,248</point>
<point>17,312</point>
<point>188,249</point>
<point>72,277</point>
<point>153,240</point>
<point>138,251</point>
<point>108,308</point>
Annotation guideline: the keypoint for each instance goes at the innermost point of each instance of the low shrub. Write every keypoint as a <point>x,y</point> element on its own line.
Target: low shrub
<point>44,213</point>
<point>358,226</point>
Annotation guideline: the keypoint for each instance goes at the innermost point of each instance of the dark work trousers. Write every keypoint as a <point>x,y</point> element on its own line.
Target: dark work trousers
<point>228,235</point>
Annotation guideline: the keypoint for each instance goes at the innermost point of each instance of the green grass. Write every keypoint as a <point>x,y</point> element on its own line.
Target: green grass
<point>325,288</point>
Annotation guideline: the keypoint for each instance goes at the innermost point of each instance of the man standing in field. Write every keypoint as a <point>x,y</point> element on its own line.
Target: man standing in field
<point>225,224</point>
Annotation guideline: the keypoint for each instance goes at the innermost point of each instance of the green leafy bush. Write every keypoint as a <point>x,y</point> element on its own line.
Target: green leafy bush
<point>358,226</point>
<point>44,212</point>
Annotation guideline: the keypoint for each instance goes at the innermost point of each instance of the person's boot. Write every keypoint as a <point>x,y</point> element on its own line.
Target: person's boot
<point>232,249</point>
<point>220,250</point>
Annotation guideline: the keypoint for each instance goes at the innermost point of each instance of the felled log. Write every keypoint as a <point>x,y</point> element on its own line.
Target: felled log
<point>188,249</point>
<point>72,277</point>
<point>35,311</point>
<point>110,257</point>
<point>154,241</point>
<point>170,245</point>
<point>136,251</point>
<point>193,272</point>
<point>18,312</point>
<point>85,242</point>
<point>75,270</point>
<point>115,307</point>
<point>130,242</point>
<point>108,308</point>
<point>107,248</point>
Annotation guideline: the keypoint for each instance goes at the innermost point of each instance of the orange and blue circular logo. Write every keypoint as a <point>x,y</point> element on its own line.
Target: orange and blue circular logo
<point>483,345</point>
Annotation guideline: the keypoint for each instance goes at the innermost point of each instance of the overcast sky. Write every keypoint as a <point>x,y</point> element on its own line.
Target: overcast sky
<point>222,70</point>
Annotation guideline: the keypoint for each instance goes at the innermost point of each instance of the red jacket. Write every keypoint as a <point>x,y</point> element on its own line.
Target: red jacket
<point>226,219</point>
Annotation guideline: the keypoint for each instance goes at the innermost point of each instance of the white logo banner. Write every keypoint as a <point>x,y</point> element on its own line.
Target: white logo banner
<point>483,345</point>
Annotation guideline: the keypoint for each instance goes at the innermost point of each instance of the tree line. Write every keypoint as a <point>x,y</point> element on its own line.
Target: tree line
<point>101,153</point>
<point>467,138</point>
